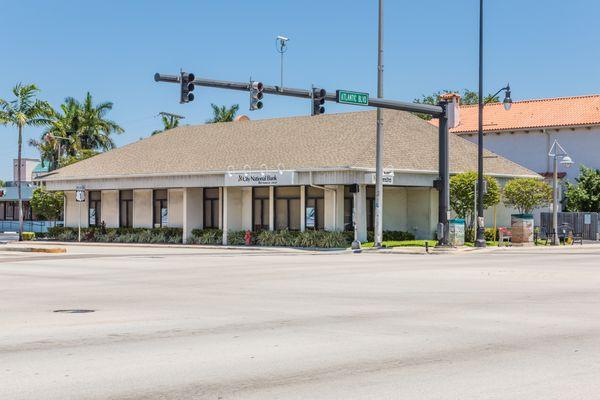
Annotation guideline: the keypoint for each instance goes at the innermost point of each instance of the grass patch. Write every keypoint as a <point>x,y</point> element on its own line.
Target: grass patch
<point>487,243</point>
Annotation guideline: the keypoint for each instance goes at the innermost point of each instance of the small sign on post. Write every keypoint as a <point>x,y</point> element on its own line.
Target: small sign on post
<point>79,198</point>
<point>355,98</point>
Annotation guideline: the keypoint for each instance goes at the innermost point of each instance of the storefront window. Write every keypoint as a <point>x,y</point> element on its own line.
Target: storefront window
<point>3,211</point>
<point>370,208</point>
<point>126,208</point>
<point>287,208</point>
<point>160,208</point>
<point>315,208</point>
<point>260,208</point>
<point>94,209</point>
<point>211,208</point>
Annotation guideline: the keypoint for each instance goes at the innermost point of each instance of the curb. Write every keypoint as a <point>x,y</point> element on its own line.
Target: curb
<point>51,250</point>
<point>185,246</point>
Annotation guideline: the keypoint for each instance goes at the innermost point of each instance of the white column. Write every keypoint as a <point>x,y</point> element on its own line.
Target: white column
<point>271,208</point>
<point>360,210</point>
<point>302,208</point>
<point>175,199</point>
<point>225,207</point>
<point>193,209</point>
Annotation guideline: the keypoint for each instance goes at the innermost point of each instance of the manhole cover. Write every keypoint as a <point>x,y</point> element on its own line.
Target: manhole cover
<point>76,311</point>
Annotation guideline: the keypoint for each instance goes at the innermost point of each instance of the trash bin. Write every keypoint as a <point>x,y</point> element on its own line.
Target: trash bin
<point>456,231</point>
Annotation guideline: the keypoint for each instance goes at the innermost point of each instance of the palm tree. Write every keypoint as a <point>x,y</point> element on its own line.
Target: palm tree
<point>94,129</point>
<point>24,110</point>
<point>223,114</point>
<point>168,123</point>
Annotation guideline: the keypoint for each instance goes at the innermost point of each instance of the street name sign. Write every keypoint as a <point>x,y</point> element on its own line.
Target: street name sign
<point>355,98</point>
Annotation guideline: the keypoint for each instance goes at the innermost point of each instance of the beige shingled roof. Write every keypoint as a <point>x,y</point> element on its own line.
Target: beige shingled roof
<point>330,141</point>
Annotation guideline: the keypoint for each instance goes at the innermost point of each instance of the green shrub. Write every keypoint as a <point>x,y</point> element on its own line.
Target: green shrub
<point>118,235</point>
<point>28,235</point>
<point>207,236</point>
<point>236,238</point>
<point>489,234</point>
<point>397,236</point>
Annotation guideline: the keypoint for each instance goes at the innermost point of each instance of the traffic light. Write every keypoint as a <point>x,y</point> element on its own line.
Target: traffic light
<point>187,87</point>
<point>318,99</point>
<point>256,95</point>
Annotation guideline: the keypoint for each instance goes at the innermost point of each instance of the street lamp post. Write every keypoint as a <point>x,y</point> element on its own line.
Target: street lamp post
<point>556,152</point>
<point>480,240</point>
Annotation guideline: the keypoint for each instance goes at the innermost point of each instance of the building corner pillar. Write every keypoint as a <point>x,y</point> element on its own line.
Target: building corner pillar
<point>302,208</point>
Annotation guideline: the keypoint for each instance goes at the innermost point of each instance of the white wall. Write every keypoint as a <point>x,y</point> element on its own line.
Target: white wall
<point>234,209</point>
<point>193,211</point>
<point>175,208</point>
<point>72,210</point>
<point>531,149</point>
<point>419,212</point>
<point>109,212</point>
<point>394,209</point>
<point>247,208</point>
<point>142,208</point>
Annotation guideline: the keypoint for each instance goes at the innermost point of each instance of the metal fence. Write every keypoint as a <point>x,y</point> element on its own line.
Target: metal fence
<point>581,222</point>
<point>28,226</point>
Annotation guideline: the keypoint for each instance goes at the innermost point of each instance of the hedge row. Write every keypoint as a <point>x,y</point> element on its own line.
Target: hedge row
<point>323,239</point>
<point>118,235</point>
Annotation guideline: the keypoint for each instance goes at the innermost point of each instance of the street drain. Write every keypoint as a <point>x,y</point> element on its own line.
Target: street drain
<point>76,311</point>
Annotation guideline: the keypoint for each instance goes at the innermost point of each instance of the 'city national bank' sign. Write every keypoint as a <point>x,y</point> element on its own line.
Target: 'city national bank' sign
<point>263,178</point>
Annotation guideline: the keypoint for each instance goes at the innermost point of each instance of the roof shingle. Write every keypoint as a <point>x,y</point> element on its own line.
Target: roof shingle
<point>339,141</point>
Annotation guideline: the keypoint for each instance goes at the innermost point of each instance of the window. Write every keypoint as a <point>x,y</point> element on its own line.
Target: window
<point>94,208</point>
<point>348,209</point>
<point>2,211</point>
<point>211,208</point>
<point>315,208</point>
<point>287,208</point>
<point>160,209</point>
<point>370,208</point>
<point>12,211</point>
<point>126,208</point>
<point>260,208</point>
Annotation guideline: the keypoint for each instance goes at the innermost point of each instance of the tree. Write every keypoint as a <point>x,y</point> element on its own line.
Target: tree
<point>1,183</point>
<point>168,123</point>
<point>468,97</point>
<point>462,195</point>
<point>223,114</point>
<point>527,194</point>
<point>95,129</point>
<point>47,205</point>
<point>79,156</point>
<point>77,128</point>
<point>585,195</point>
<point>24,110</point>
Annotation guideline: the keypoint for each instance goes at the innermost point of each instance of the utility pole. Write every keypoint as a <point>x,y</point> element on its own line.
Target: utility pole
<point>379,140</point>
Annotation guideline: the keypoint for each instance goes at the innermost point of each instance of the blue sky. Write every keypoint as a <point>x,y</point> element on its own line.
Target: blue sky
<point>113,48</point>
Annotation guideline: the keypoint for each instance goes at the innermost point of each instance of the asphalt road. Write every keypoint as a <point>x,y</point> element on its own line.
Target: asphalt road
<point>210,324</point>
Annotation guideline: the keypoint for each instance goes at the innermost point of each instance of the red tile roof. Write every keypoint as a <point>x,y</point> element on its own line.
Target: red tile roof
<point>532,114</point>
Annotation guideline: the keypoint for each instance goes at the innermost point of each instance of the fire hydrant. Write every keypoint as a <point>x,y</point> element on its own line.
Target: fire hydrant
<point>248,238</point>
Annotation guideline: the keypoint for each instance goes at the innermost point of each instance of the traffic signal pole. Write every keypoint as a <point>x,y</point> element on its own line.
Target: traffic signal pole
<point>436,111</point>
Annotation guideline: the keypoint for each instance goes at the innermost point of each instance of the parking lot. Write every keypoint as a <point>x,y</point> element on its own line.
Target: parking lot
<point>182,323</point>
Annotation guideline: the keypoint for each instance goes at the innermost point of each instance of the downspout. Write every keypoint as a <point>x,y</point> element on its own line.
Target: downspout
<point>545,131</point>
<point>310,183</point>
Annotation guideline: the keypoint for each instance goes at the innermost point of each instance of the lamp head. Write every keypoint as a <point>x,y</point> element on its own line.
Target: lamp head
<point>507,99</point>
<point>566,161</point>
